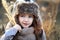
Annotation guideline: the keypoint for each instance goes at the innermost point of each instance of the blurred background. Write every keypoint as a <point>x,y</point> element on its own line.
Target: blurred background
<point>50,12</point>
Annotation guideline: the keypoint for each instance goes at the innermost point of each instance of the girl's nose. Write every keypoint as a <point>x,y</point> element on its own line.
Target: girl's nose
<point>26,19</point>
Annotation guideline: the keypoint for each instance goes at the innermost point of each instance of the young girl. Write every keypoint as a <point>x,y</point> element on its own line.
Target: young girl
<point>28,23</point>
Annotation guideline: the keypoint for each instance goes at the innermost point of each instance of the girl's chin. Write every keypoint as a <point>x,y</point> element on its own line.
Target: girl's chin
<point>25,26</point>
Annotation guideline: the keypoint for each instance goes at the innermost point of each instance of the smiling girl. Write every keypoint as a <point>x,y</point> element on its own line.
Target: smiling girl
<point>28,23</point>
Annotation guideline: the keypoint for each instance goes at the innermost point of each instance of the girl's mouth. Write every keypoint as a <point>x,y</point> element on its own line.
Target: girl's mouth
<point>25,24</point>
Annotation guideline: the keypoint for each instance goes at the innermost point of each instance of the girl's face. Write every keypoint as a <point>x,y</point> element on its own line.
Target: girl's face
<point>26,20</point>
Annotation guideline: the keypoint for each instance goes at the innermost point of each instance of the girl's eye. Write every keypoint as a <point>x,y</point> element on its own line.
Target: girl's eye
<point>22,16</point>
<point>30,17</point>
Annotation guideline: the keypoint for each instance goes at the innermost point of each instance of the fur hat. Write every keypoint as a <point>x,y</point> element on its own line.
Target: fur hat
<point>26,7</point>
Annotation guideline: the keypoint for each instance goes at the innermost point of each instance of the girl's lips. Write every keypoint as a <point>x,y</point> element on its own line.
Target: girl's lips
<point>25,23</point>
